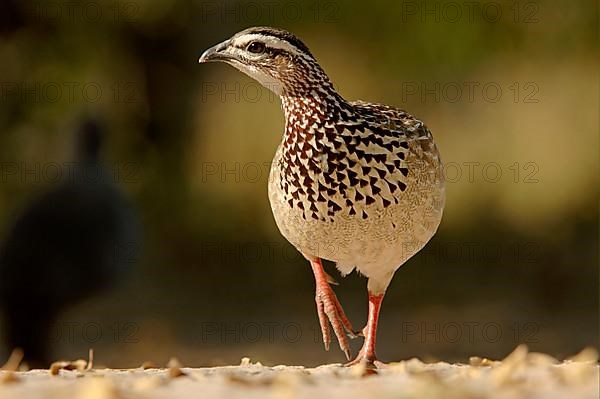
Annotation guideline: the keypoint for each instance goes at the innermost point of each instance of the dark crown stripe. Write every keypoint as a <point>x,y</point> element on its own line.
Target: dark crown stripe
<point>282,35</point>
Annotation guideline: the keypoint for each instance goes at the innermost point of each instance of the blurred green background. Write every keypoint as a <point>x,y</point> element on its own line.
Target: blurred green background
<point>508,88</point>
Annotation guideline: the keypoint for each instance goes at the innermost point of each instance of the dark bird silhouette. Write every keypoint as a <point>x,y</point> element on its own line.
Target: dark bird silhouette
<point>67,245</point>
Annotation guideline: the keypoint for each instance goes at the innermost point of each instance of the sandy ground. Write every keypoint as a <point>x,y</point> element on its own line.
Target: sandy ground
<point>522,374</point>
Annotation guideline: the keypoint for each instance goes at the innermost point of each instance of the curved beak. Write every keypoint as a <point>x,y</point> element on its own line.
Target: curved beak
<point>215,53</point>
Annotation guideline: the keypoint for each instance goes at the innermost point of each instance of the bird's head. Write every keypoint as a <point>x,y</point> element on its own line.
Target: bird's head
<point>274,57</point>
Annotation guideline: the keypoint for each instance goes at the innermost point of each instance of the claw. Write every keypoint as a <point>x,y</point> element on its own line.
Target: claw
<point>360,333</point>
<point>354,334</point>
<point>330,279</point>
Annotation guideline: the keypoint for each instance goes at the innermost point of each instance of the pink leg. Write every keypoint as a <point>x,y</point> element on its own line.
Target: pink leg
<point>367,353</point>
<point>330,310</point>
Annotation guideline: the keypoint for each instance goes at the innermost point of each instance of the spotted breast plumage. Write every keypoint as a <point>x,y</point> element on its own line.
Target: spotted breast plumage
<point>356,183</point>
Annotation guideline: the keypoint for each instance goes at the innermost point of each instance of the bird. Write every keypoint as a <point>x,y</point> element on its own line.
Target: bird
<point>356,183</point>
<point>71,242</point>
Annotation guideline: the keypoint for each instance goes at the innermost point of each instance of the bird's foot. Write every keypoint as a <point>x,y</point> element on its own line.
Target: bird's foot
<point>366,355</point>
<point>330,310</point>
<point>369,360</point>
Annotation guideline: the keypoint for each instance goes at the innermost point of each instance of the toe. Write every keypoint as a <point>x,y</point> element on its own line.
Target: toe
<point>338,329</point>
<point>380,365</point>
<point>369,362</point>
<point>343,317</point>
<point>330,311</point>
<point>324,323</point>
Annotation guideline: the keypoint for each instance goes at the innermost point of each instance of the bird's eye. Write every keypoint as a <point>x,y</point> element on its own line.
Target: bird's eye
<point>256,47</point>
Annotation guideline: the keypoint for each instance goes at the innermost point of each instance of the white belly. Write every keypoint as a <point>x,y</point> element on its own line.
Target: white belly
<point>376,246</point>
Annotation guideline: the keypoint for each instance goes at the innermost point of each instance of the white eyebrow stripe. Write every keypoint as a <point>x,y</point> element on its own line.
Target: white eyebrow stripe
<point>270,41</point>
